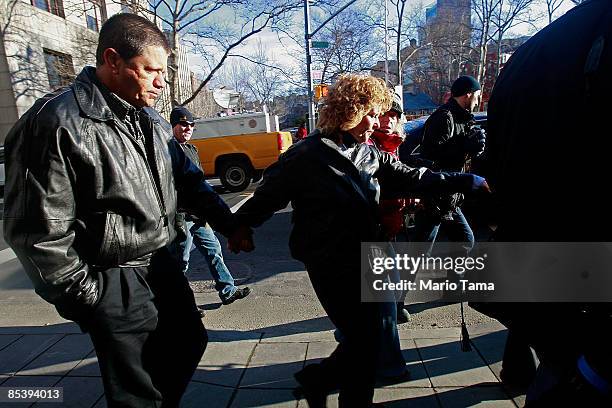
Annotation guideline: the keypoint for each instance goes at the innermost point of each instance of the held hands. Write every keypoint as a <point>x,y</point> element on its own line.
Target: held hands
<point>241,240</point>
<point>480,185</point>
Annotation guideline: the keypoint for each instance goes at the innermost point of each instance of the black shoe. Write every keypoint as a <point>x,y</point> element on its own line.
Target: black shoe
<point>403,316</point>
<point>239,293</point>
<point>310,387</point>
<point>202,313</point>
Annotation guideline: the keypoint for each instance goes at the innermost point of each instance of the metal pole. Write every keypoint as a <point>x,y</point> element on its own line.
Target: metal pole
<point>386,47</point>
<point>307,36</point>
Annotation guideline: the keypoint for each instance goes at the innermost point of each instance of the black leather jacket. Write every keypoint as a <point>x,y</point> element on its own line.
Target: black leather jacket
<point>445,137</point>
<point>84,191</point>
<point>334,192</point>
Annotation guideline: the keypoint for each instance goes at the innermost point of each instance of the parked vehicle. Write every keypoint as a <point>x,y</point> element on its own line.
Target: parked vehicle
<point>238,148</point>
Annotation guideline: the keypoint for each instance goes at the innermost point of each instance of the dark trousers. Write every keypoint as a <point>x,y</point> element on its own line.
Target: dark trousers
<point>147,334</point>
<point>352,365</point>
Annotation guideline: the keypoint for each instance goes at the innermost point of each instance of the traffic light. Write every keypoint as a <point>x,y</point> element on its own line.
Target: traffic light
<point>320,91</point>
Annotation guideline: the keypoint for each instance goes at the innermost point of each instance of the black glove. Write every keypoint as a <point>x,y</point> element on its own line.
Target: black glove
<point>476,142</point>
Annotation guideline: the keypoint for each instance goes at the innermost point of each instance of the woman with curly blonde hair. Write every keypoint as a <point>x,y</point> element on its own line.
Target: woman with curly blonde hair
<point>332,179</point>
<point>350,100</point>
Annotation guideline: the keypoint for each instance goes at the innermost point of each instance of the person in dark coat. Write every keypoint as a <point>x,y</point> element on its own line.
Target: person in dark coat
<point>548,122</point>
<point>198,232</point>
<point>333,180</point>
<point>449,140</point>
<point>93,180</point>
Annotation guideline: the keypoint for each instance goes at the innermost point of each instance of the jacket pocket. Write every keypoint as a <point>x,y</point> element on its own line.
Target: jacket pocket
<point>119,243</point>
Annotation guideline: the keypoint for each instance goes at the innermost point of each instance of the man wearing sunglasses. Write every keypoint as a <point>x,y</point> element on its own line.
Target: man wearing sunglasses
<point>197,230</point>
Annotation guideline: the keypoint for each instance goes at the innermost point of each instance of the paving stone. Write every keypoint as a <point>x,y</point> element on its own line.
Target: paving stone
<point>393,398</point>
<point>65,327</point>
<point>447,365</point>
<point>491,348</point>
<point>248,397</point>
<point>6,339</point>
<point>24,350</point>
<point>88,367</point>
<point>477,397</point>
<point>332,402</point>
<point>318,336</point>
<point>200,395</point>
<point>317,351</point>
<point>224,363</point>
<point>273,365</point>
<point>418,375</point>
<point>61,357</point>
<point>225,336</point>
<point>101,403</point>
<point>406,397</point>
<point>79,392</point>
<point>443,332</point>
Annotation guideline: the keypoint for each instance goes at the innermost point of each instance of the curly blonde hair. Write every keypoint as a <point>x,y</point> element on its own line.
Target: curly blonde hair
<point>350,99</point>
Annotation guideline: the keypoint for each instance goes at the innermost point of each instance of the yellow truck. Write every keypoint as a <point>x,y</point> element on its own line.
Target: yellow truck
<point>238,148</point>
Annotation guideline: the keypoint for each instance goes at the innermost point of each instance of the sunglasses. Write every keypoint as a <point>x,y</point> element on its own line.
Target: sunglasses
<point>184,123</point>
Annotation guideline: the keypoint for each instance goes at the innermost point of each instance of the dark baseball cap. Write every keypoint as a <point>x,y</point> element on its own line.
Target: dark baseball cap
<point>180,114</point>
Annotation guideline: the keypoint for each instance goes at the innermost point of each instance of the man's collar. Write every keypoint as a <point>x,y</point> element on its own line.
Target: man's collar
<point>96,100</point>
<point>462,113</point>
<point>118,105</point>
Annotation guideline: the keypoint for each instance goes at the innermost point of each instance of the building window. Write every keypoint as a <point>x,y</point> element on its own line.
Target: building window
<point>59,69</point>
<point>52,6</point>
<point>95,14</point>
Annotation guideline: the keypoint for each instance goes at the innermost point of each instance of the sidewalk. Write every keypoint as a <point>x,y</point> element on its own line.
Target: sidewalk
<point>254,368</point>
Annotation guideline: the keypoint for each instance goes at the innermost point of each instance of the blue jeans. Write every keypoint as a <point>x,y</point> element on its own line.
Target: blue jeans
<point>427,227</point>
<point>205,240</point>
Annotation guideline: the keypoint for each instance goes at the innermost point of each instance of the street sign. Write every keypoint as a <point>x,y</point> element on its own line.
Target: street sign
<point>320,44</point>
<point>317,74</point>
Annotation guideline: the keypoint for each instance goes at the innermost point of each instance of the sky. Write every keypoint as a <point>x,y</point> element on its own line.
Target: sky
<point>284,53</point>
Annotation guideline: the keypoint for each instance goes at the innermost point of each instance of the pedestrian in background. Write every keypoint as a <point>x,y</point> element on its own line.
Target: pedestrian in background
<point>197,231</point>
<point>449,140</point>
<point>301,133</point>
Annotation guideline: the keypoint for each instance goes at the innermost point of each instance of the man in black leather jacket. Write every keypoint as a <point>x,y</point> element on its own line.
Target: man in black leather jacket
<point>91,197</point>
<point>449,140</point>
<point>333,181</point>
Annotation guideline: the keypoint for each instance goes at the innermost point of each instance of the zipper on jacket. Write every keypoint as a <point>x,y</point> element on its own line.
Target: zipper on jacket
<point>143,153</point>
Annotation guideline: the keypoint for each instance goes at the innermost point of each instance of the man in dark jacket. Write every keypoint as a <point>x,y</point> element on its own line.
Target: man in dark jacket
<point>449,140</point>
<point>91,198</point>
<point>197,230</point>
<point>549,121</point>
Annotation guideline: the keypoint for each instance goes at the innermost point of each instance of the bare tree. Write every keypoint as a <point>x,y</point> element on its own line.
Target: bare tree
<point>405,20</point>
<point>199,25</point>
<point>352,48</point>
<point>484,10</point>
<point>262,83</point>
<point>552,6</point>
<point>509,14</point>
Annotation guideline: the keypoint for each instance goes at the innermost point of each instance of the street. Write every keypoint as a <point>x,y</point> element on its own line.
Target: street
<point>256,343</point>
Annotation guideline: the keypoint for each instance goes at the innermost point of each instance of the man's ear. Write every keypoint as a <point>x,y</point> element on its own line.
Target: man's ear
<point>112,59</point>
